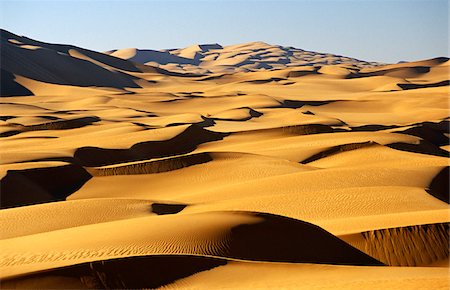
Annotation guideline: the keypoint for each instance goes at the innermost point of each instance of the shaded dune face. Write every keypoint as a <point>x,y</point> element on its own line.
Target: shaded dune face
<point>50,66</point>
<point>10,87</point>
<point>336,150</point>
<point>111,61</point>
<point>432,132</point>
<point>401,71</point>
<point>165,208</point>
<point>183,143</point>
<point>433,135</point>
<point>293,130</point>
<point>439,185</point>
<point>248,166</point>
<point>295,104</point>
<point>144,56</point>
<point>132,273</point>
<point>429,243</point>
<point>422,86</point>
<point>292,241</point>
<point>54,125</point>
<point>182,271</point>
<point>149,167</point>
<point>46,184</point>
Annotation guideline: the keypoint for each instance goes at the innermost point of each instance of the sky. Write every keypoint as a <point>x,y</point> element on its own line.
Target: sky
<point>386,31</point>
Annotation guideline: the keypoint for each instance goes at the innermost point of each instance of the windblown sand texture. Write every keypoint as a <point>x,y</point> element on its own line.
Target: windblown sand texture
<point>209,167</point>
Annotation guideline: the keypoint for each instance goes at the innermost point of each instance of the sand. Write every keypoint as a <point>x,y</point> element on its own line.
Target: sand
<point>221,167</point>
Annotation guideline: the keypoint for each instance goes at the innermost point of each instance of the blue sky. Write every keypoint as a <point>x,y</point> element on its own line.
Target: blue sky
<point>387,31</point>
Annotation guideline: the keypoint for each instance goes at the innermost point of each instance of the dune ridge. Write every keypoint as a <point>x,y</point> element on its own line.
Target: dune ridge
<point>161,165</point>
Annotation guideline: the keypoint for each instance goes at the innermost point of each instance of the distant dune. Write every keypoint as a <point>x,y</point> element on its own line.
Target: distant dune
<point>253,56</point>
<point>249,166</point>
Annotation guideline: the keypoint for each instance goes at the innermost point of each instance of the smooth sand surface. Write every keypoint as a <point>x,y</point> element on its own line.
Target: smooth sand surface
<point>221,167</point>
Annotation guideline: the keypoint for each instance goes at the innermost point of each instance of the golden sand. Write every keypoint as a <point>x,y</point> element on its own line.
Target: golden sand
<point>300,171</point>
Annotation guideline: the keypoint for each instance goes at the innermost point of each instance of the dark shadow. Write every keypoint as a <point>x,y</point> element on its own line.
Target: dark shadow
<point>422,86</point>
<point>433,135</point>
<point>255,114</point>
<point>172,100</point>
<point>145,126</point>
<point>302,73</point>
<point>145,272</point>
<point>183,143</point>
<point>166,208</point>
<point>193,96</point>
<point>160,57</point>
<point>55,125</point>
<point>424,147</point>
<point>432,132</point>
<point>282,239</point>
<point>190,93</point>
<point>265,81</point>
<point>214,77</point>
<point>252,114</point>
<point>176,74</point>
<point>260,65</point>
<point>371,128</point>
<point>40,185</point>
<point>439,187</point>
<point>9,87</point>
<point>207,122</point>
<point>209,46</point>
<point>10,133</point>
<point>294,104</point>
<point>407,72</point>
<point>337,149</point>
<point>5,118</point>
<point>52,118</point>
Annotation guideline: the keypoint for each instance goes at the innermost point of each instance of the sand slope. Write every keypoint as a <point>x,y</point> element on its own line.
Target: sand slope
<point>208,167</point>
<point>188,272</point>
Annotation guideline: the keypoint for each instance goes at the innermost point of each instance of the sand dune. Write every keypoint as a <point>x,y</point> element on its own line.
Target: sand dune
<point>221,234</point>
<point>253,56</point>
<point>50,66</point>
<point>187,272</point>
<point>145,56</point>
<point>46,183</point>
<point>209,167</point>
<point>184,142</point>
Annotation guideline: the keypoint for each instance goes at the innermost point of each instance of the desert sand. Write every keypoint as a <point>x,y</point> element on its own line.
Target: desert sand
<point>249,166</point>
